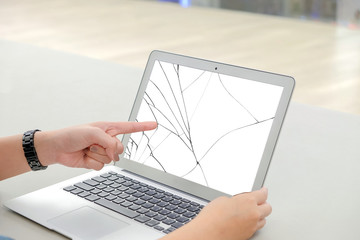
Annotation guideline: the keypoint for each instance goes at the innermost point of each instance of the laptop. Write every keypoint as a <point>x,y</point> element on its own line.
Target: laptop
<point>217,129</point>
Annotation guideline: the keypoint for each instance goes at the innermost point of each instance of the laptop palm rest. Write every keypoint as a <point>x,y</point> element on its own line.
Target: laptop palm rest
<point>87,223</point>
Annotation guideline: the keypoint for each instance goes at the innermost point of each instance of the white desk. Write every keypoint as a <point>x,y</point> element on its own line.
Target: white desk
<point>313,178</point>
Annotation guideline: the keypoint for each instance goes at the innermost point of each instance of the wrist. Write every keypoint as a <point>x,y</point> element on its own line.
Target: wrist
<point>43,148</point>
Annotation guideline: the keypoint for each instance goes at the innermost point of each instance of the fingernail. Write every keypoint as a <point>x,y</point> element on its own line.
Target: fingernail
<point>93,148</point>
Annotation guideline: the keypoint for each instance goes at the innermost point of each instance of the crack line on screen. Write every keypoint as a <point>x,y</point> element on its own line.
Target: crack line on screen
<point>167,105</point>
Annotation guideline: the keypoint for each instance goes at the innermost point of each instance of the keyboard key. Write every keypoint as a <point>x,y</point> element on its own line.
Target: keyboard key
<point>148,205</point>
<point>169,230</point>
<point>120,181</point>
<point>134,207</point>
<point>105,175</point>
<point>123,195</point>
<point>138,194</point>
<point>182,219</point>
<point>151,192</point>
<point>171,207</point>
<point>146,198</point>
<point>175,202</point>
<point>143,210</point>
<point>69,188</point>
<point>163,204</point>
<point>130,191</point>
<point>179,210</point>
<point>159,190</point>
<point>113,178</point>
<point>118,200</point>
<point>151,214</point>
<point>156,208</point>
<point>92,198</point>
<point>159,195</point>
<point>177,225</point>
<point>84,186</point>
<point>108,182</point>
<point>173,215</point>
<point>168,221</point>
<point>142,219</point>
<point>164,212</point>
<point>77,191</point>
<point>126,203</point>
<point>184,205</point>
<point>131,198</point>
<point>110,197</point>
<point>189,214</point>
<point>103,194</point>
<point>192,208</point>
<point>99,179</point>
<point>116,192</point>
<point>159,217</point>
<point>135,186</point>
<point>159,228</point>
<point>167,199</point>
<point>123,188</point>
<point>139,202</point>
<point>115,185</point>
<point>108,189</point>
<point>101,186</point>
<point>91,182</point>
<point>152,223</point>
<point>95,191</point>
<point>117,208</point>
<point>177,197</point>
<point>154,201</point>
<point>84,194</point>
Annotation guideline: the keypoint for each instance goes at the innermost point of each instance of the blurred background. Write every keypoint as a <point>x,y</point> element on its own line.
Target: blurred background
<point>343,12</point>
<point>315,41</point>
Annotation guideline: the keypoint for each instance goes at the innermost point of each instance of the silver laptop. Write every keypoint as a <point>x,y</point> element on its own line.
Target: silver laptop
<point>217,129</point>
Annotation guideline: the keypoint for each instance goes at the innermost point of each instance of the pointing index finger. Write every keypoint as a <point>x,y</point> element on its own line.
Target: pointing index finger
<point>116,128</point>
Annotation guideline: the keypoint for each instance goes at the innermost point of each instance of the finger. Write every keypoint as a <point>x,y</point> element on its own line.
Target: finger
<point>265,210</point>
<point>91,163</point>
<point>116,128</point>
<point>96,136</point>
<point>98,157</point>
<point>97,149</point>
<point>260,224</point>
<point>260,195</point>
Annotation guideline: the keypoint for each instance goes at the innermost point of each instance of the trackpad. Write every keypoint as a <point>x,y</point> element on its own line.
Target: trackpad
<point>87,223</point>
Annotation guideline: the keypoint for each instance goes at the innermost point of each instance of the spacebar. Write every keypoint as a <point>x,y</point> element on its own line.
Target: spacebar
<point>117,208</point>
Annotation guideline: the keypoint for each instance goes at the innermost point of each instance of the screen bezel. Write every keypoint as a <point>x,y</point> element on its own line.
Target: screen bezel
<point>182,184</point>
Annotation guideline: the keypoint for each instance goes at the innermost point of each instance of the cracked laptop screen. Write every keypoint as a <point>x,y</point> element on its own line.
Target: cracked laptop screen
<point>212,128</point>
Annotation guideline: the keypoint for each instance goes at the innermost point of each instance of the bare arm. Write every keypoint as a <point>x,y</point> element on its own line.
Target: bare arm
<point>86,146</point>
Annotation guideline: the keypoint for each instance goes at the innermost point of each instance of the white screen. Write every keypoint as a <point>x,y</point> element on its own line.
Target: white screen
<point>212,128</point>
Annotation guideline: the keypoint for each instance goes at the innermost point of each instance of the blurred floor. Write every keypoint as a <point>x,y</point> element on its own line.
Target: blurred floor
<point>323,58</point>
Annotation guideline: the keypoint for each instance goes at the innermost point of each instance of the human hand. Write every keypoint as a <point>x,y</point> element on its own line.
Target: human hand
<point>86,146</point>
<point>235,218</point>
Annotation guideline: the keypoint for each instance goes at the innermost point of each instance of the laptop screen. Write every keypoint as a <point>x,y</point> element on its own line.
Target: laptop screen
<point>212,128</point>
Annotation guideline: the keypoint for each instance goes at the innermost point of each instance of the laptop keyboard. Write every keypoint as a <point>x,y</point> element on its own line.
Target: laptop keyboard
<point>144,203</point>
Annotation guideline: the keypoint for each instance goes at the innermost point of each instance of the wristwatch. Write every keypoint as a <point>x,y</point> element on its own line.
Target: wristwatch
<point>30,152</point>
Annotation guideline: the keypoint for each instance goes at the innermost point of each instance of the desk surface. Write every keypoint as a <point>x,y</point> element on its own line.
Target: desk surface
<point>313,178</point>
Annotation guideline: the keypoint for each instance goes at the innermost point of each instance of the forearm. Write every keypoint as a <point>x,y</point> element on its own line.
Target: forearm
<point>12,158</point>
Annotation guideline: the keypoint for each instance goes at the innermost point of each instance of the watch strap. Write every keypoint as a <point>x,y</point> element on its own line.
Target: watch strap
<point>30,152</point>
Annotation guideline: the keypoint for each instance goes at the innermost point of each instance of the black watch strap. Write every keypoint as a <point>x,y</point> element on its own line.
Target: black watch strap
<point>30,152</point>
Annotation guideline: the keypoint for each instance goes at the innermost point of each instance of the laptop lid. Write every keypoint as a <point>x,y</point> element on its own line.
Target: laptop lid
<point>217,125</point>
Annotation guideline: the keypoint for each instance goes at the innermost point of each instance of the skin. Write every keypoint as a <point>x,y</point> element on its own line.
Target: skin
<point>77,146</point>
<point>95,144</point>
